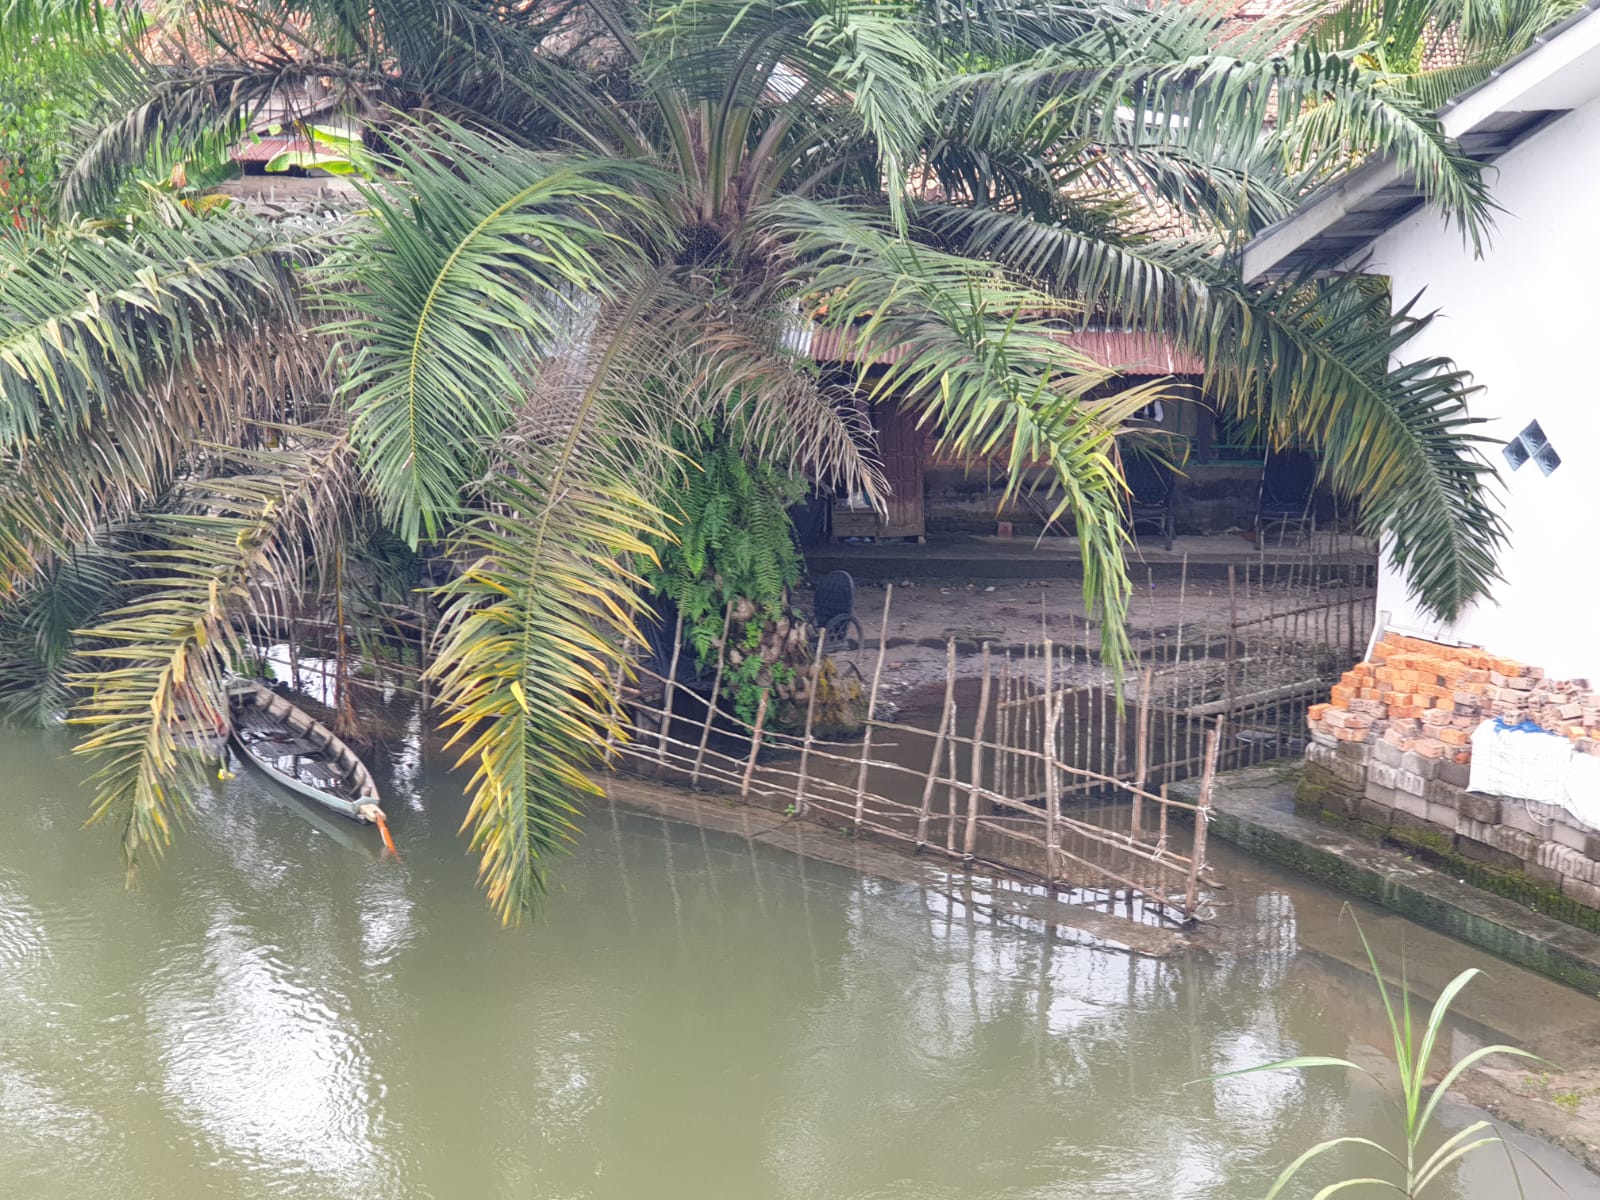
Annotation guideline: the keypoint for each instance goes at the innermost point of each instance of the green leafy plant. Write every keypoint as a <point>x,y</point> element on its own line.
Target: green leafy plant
<point>734,547</point>
<point>1414,1170</point>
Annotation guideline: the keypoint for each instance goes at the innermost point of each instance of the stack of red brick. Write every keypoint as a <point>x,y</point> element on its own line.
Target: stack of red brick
<point>1422,696</point>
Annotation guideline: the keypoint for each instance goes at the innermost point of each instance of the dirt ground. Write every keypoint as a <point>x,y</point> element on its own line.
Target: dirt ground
<point>1011,614</point>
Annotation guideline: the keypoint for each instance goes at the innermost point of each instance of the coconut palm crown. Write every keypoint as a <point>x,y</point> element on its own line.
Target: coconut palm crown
<point>586,224</point>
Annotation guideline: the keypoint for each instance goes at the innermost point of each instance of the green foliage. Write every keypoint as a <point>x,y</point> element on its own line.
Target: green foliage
<point>1414,1168</point>
<point>734,544</point>
<point>42,99</point>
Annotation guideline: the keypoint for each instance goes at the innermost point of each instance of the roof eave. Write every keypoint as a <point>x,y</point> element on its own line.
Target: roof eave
<point>1556,48</point>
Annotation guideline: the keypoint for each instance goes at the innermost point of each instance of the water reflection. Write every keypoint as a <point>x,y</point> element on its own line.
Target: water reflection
<point>279,1012</point>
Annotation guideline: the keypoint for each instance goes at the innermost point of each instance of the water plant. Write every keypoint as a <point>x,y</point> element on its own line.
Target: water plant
<point>1415,1169</point>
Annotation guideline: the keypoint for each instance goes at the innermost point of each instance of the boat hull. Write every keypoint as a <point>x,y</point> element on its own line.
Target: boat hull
<point>299,753</point>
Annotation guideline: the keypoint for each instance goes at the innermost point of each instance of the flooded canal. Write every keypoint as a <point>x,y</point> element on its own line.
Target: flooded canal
<point>278,1012</point>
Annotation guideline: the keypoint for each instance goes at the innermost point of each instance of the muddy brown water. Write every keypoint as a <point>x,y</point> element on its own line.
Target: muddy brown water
<point>277,1011</point>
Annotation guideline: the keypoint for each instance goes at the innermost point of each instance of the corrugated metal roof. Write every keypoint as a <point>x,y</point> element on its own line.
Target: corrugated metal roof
<point>265,149</point>
<point>1131,353</point>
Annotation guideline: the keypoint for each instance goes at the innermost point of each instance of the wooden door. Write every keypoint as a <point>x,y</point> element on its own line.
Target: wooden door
<point>900,444</point>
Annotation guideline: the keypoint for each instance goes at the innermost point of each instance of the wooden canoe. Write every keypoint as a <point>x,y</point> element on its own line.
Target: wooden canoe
<point>300,752</point>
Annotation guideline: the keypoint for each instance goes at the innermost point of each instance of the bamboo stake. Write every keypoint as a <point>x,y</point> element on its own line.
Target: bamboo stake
<point>938,742</point>
<point>951,784</point>
<point>1232,631</point>
<point>1023,685</point>
<point>716,692</point>
<point>811,710</point>
<point>1142,753</point>
<point>872,704</point>
<point>672,682</point>
<point>755,745</point>
<point>1051,800</point>
<point>1202,818</point>
<point>970,840</point>
<point>1004,728</point>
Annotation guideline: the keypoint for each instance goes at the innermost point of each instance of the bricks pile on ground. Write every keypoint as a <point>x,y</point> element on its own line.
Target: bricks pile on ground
<point>1426,698</point>
<point>1390,755</point>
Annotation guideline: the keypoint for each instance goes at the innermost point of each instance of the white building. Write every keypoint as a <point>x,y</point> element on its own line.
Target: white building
<point>1524,318</point>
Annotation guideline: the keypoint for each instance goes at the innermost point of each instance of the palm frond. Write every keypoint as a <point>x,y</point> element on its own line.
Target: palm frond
<point>87,313</point>
<point>39,632</point>
<point>970,352</point>
<point>532,639</point>
<point>492,258</point>
<point>1156,80</point>
<point>1309,361</point>
<point>197,112</point>
<point>232,548</point>
<point>57,491</point>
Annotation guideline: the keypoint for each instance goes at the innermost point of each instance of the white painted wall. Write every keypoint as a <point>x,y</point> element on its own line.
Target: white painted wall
<point>1525,320</point>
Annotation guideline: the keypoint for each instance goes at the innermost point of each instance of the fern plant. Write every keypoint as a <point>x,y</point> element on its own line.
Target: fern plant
<point>734,547</point>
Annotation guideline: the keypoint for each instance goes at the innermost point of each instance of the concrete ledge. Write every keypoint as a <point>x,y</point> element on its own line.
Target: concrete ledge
<point>1255,810</point>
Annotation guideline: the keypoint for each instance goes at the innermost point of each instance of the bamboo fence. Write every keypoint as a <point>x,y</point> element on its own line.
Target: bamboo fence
<point>951,789</point>
<point>1039,763</point>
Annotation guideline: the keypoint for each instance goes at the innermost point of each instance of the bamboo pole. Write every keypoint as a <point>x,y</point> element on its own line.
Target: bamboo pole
<point>672,682</point>
<point>969,841</point>
<point>1051,799</point>
<point>1142,753</point>
<point>938,742</point>
<point>872,704</point>
<point>1002,730</point>
<point>952,782</point>
<point>1024,685</point>
<point>755,745</point>
<point>811,712</point>
<point>1232,632</point>
<point>716,692</point>
<point>1202,818</point>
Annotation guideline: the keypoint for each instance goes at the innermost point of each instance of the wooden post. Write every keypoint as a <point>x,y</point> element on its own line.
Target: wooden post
<point>938,742</point>
<point>1052,714</point>
<point>755,745</point>
<point>1202,818</point>
<point>666,705</point>
<point>716,692</point>
<point>1024,685</point>
<point>951,783</point>
<point>970,840</point>
<point>1233,641</point>
<point>872,706</point>
<point>811,710</point>
<point>1142,760</point>
<point>1005,719</point>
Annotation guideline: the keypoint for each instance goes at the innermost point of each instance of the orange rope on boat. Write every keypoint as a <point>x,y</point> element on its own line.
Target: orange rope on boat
<point>383,828</point>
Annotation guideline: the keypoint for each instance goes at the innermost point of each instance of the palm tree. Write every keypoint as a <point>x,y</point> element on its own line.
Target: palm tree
<point>593,223</point>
